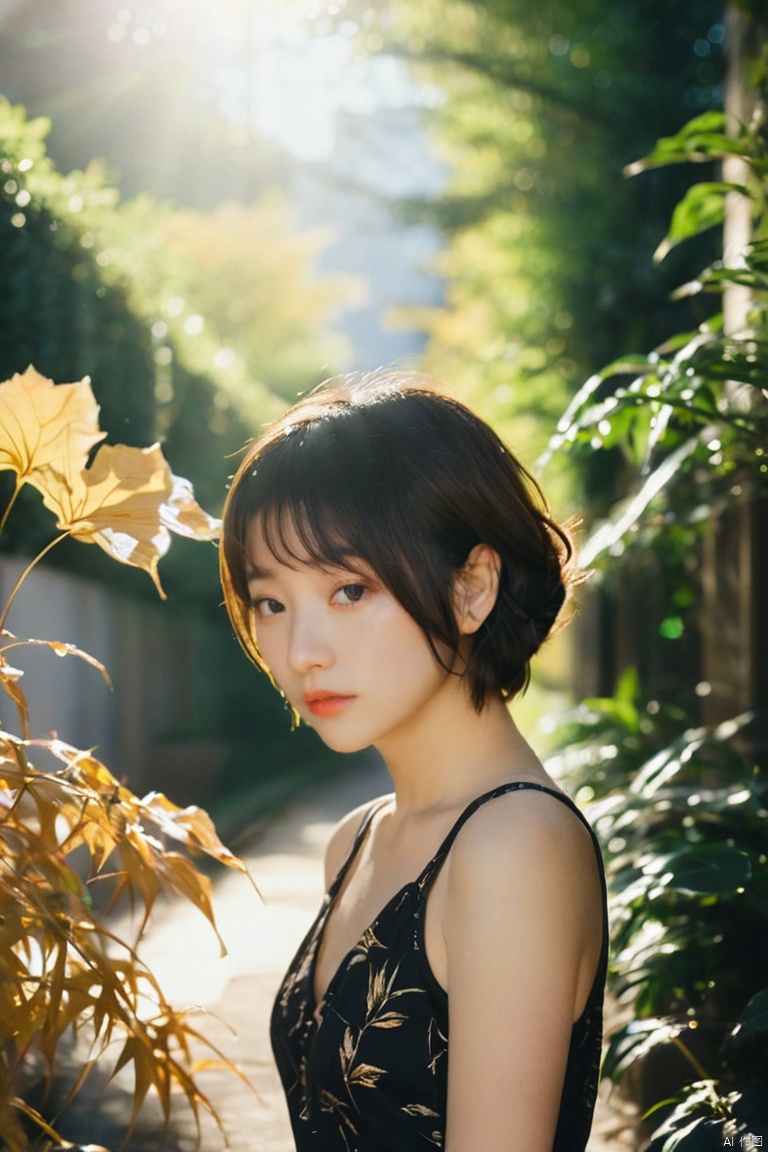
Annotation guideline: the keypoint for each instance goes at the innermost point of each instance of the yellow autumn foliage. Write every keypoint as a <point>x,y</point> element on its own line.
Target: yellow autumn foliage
<point>127,500</point>
<point>62,970</point>
<point>42,423</point>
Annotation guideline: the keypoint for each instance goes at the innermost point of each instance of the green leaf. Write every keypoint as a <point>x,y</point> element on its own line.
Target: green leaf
<point>754,1018</point>
<point>672,628</point>
<point>717,869</point>
<point>675,1141</point>
<point>611,532</point>
<point>702,208</point>
<point>635,363</point>
<point>633,1041</point>
<point>628,686</point>
<point>713,278</point>
<point>702,138</point>
<point>656,772</point>
<point>621,711</point>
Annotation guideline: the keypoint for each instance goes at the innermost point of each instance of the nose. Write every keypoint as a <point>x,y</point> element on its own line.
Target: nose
<point>308,645</point>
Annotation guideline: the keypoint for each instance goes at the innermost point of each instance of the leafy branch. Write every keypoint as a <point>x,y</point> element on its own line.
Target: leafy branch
<point>694,409</point>
<point>62,972</point>
<point>682,809</point>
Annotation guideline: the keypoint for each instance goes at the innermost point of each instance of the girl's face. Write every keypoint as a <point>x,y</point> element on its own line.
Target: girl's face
<point>349,658</point>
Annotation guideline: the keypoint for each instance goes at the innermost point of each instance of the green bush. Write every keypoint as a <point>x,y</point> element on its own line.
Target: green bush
<point>682,809</point>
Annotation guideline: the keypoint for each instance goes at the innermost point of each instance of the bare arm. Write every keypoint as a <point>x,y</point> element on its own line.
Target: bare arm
<point>523,933</point>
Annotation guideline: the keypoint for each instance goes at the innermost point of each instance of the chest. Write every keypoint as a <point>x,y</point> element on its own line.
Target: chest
<point>369,1072</point>
<point>372,892</point>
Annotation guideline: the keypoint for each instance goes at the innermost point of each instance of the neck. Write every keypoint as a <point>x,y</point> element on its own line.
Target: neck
<point>455,753</point>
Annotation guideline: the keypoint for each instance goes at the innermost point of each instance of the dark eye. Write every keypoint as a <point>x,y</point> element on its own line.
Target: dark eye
<point>351,593</point>
<point>267,607</point>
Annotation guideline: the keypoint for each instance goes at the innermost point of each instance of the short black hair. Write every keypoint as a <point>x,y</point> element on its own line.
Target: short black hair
<point>388,469</point>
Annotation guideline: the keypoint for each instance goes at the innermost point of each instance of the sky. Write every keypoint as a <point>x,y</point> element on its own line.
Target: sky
<point>303,65</point>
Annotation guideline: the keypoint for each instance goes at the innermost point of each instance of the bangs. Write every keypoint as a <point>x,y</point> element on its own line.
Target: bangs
<point>307,532</point>
<point>318,496</point>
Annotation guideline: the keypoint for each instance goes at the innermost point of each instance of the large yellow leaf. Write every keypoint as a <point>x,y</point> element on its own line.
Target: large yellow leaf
<point>115,503</point>
<point>43,423</point>
<point>195,886</point>
<point>184,516</point>
<point>127,502</point>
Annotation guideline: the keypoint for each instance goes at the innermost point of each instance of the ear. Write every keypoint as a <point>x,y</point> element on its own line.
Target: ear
<point>476,586</point>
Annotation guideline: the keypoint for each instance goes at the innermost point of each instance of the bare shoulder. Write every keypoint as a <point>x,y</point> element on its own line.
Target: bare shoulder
<point>522,930</point>
<point>528,834</point>
<point>342,838</point>
<point>524,887</point>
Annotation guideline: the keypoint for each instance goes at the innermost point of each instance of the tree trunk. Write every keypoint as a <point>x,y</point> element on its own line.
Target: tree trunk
<point>735,628</point>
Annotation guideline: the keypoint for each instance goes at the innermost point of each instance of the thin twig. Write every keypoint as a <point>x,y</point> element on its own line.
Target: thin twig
<point>24,575</point>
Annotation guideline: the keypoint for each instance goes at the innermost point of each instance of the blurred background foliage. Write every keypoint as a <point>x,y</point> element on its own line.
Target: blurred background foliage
<point>154,300</point>
<point>539,107</point>
<point>546,242</point>
<point>148,242</point>
<point>681,806</point>
<point>549,273</point>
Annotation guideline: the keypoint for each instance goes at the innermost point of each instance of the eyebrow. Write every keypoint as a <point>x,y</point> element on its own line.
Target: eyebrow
<point>254,572</point>
<point>362,568</point>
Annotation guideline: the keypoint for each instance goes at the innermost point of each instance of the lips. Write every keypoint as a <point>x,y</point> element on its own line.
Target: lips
<point>326,703</point>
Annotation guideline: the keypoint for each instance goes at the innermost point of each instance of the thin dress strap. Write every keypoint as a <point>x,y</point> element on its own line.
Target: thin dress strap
<point>434,864</point>
<point>374,807</point>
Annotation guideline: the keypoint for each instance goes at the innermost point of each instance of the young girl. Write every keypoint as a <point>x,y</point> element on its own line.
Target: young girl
<point>390,564</point>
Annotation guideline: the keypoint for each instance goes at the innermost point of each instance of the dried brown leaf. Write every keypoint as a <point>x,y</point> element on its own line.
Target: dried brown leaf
<point>29,1016</point>
<point>51,1031</point>
<point>192,826</point>
<point>138,1051</point>
<point>60,648</point>
<point>183,515</point>
<point>34,1115</point>
<point>85,769</point>
<point>78,975</point>
<point>138,866</point>
<point>9,678</point>
<point>128,502</point>
<point>185,878</point>
<point>100,842</point>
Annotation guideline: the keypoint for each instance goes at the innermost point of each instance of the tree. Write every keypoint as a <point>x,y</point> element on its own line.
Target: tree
<point>681,805</point>
<point>141,87</point>
<point>195,327</point>
<point>543,106</point>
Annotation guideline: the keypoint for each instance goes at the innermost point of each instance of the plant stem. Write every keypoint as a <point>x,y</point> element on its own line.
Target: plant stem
<point>24,575</point>
<point>689,1056</point>
<point>11,503</point>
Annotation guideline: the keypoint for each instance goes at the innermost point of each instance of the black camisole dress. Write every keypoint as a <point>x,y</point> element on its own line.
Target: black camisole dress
<point>371,1076</point>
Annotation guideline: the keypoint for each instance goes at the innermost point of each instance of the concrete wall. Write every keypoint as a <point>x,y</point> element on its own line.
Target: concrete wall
<point>147,729</point>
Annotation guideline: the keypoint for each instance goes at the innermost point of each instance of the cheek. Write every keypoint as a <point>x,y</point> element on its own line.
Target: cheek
<point>267,641</point>
<point>400,641</point>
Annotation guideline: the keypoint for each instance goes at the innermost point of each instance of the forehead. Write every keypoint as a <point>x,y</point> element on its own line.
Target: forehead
<point>270,544</point>
<point>284,540</point>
